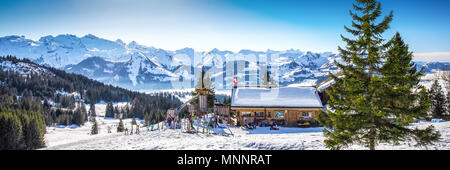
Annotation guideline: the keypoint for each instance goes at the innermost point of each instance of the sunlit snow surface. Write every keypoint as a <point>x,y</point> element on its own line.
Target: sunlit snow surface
<point>260,139</point>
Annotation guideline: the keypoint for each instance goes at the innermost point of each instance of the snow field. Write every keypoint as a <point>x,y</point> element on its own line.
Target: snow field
<point>169,139</point>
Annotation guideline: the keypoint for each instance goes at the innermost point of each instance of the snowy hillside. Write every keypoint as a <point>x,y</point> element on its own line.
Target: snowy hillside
<point>259,139</point>
<point>23,68</point>
<point>143,68</point>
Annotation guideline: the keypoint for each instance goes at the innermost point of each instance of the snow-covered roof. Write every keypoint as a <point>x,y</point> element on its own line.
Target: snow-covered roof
<point>328,82</point>
<point>325,85</point>
<point>306,97</point>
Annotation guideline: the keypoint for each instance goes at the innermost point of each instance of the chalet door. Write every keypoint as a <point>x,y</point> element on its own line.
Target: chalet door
<point>292,118</point>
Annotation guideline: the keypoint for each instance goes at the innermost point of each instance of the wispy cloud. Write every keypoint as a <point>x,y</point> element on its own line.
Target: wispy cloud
<point>432,56</point>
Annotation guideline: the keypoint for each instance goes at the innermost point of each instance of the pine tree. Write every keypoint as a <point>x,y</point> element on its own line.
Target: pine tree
<point>205,82</point>
<point>133,121</point>
<point>94,129</point>
<point>84,112</point>
<point>438,101</point>
<point>158,117</point>
<point>92,110</point>
<point>120,127</point>
<point>78,117</point>
<point>151,117</point>
<point>10,131</point>
<point>109,112</point>
<point>33,136</point>
<point>448,103</point>
<point>147,119</point>
<point>378,84</point>
<point>116,110</point>
<point>267,81</point>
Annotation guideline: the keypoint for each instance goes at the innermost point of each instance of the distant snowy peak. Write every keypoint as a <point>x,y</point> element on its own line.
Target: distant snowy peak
<point>137,66</point>
<point>120,42</point>
<point>218,52</point>
<point>67,49</point>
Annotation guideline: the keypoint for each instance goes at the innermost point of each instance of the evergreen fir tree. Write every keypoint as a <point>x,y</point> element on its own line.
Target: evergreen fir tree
<point>94,129</point>
<point>109,112</point>
<point>228,101</point>
<point>267,81</point>
<point>151,117</point>
<point>120,127</point>
<point>92,109</point>
<point>379,83</point>
<point>33,136</point>
<point>116,110</point>
<point>133,121</point>
<point>146,119</point>
<point>204,82</point>
<point>10,131</point>
<point>79,117</point>
<point>448,102</point>
<point>158,117</point>
<point>84,112</point>
<point>438,101</point>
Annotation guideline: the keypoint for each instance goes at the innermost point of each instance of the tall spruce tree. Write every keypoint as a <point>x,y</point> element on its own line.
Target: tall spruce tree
<point>94,129</point>
<point>379,83</point>
<point>109,112</point>
<point>438,101</point>
<point>267,81</point>
<point>33,131</point>
<point>205,82</point>
<point>78,117</point>
<point>448,104</point>
<point>84,112</point>
<point>120,127</point>
<point>133,121</point>
<point>92,109</point>
<point>10,131</point>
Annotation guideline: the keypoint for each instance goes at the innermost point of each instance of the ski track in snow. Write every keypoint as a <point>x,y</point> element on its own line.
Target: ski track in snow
<point>168,139</point>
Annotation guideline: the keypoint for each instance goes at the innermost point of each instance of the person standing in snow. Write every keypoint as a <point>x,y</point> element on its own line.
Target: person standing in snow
<point>190,122</point>
<point>174,122</point>
<point>168,121</point>
<point>153,124</point>
<point>137,129</point>
<point>215,121</point>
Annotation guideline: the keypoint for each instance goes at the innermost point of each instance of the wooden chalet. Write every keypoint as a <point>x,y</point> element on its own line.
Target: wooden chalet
<point>223,111</point>
<point>287,105</point>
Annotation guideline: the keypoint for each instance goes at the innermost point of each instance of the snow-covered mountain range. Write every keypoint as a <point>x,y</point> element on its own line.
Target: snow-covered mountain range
<point>143,68</point>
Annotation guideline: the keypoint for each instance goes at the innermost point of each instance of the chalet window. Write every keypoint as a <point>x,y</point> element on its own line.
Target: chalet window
<point>248,113</point>
<point>279,114</point>
<point>261,113</point>
<point>306,114</point>
<point>269,115</point>
<point>245,114</point>
<point>257,114</point>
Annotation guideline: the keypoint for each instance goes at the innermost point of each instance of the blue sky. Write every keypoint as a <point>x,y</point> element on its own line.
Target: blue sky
<point>225,24</point>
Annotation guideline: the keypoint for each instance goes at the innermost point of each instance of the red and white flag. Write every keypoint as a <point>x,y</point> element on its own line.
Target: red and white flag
<point>234,80</point>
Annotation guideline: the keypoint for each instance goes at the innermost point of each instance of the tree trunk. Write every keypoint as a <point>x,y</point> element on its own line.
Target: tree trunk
<point>372,139</point>
<point>372,145</point>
